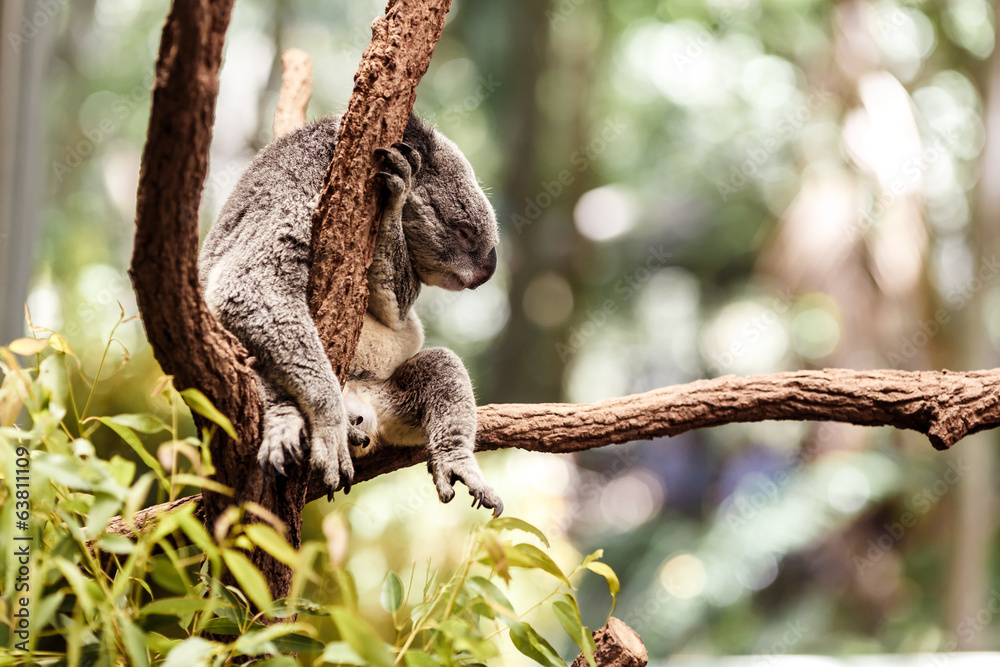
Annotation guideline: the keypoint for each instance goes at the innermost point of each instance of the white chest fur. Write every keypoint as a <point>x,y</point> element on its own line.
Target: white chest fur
<point>381,349</point>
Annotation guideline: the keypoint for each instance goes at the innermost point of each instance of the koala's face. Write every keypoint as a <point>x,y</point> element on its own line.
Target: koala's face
<point>450,227</point>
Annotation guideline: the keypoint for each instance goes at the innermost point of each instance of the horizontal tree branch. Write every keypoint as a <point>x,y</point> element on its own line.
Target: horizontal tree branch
<point>943,405</point>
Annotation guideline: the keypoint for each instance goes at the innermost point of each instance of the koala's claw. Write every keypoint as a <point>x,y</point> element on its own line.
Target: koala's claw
<point>411,155</point>
<point>331,456</point>
<point>402,163</point>
<point>283,429</point>
<point>467,472</point>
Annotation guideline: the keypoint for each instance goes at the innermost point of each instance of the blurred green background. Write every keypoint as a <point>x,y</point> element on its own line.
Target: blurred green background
<point>686,189</point>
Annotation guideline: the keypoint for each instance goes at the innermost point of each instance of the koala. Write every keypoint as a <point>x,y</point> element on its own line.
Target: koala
<point>437,228</point>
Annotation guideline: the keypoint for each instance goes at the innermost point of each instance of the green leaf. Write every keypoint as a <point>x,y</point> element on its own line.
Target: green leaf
<point>361,638</point>
<point>221,626</point>
<point>614,586</point>
<point>271,541</point>
<point>341,653</point>
<point>122,471</point>
<point>53,378</point>
<point>249,578</point>
<point>569,618</point>
<point>592,557</point>
<point>297,643</point>
<point>86,597</point>
<point>135,644</point>
<point>541,560</point>
<point>166,575</point>
<point>142,422</point>
<point>116,544</point>
<point>178,606</point>
<point>47,608</point>
<point>266,639</point>
<point>201,483</point>
<point>280,661</point>
<point>419,659</point>
<point>191,652</point>
<point>489,591</point>
<point>512,523</point>
<point>199,403</point>
<point>102,509</point>
<point>132,440</point>
<point>26,347</point>
<point>392,593</point>
<point>196,532</point>
<point>533,645</point>
<point>220,590</point>
<point>58,468</point>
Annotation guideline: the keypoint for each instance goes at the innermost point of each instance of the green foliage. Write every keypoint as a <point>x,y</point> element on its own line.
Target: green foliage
<point>183,594</point>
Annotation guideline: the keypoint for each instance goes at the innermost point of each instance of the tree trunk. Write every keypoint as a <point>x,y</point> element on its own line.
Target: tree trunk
<point>187,340</point>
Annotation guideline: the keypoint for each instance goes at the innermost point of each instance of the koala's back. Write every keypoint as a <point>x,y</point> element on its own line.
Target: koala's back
<point>264,230</point>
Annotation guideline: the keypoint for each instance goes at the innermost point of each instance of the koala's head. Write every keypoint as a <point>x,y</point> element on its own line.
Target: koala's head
<point>450,227</point>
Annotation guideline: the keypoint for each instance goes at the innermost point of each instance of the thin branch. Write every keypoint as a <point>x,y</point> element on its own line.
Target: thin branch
<point>296,89</point>
<point>942,405</point>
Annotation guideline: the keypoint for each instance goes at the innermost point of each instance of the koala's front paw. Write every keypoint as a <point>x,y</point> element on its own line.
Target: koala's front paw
<point>402,163</point>
<point>463,467</point>
<point>332,457</point>
<point>282,439</point>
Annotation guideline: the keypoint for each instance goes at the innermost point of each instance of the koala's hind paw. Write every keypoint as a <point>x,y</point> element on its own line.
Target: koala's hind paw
<point>331,456</point>
<point>466,470</point>
<point>282,440</point>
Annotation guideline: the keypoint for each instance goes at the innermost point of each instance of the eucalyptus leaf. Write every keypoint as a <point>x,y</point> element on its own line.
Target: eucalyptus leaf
<point>392,593</point>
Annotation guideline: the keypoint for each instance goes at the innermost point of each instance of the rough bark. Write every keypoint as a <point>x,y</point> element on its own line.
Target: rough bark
<point>296,89</point>
<point>186,339</point>
<point>385,88</point>
<point>618,645</point>
<point>943,405</point>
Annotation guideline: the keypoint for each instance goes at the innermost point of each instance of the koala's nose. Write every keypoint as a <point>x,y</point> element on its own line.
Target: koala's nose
<point>488,269</point>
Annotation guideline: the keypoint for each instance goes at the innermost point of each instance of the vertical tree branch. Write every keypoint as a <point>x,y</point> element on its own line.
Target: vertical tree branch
<point>186,339</point>
<point>296,89</point>
<point>385,89</point>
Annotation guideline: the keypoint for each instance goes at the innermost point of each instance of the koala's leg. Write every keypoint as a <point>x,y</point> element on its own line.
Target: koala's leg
<point>284,427</point>
<point>296,377</point>
<point>433,389</point>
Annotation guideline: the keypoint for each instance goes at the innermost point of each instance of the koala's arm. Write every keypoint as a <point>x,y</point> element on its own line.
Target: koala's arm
<point>254,269</point>
<point>393,284</point>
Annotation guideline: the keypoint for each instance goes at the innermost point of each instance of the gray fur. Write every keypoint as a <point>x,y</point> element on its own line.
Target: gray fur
<point>438,228</point>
